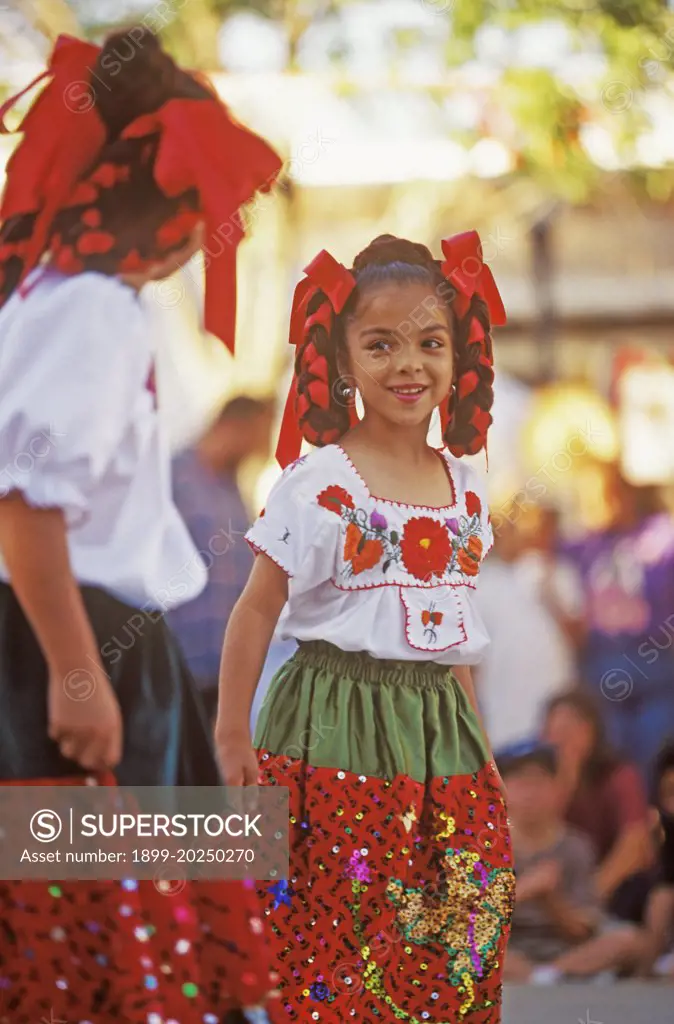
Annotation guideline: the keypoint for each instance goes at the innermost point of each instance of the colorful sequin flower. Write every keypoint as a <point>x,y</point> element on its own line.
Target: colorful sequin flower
<point>281,893</point>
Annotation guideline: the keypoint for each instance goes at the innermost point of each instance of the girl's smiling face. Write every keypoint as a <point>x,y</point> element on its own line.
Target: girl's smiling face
<point>399,351</point>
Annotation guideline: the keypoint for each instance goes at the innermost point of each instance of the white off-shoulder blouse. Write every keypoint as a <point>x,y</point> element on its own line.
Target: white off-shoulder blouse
<point>371,574</point>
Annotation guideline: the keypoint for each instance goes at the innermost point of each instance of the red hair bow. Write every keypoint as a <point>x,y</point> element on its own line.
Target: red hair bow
<point>470,275</point>
<point>324,274</point>
<point>63,134</point>
<point>201,147</point>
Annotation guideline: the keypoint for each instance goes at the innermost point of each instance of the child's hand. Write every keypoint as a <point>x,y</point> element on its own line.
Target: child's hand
<point>238,761</point>
<point>548,877</point>
<point>539,882</point>
<point>84,716</point>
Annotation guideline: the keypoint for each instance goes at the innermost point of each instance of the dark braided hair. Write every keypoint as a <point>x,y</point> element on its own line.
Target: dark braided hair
<point>117,218</point>
<point>325,408</point>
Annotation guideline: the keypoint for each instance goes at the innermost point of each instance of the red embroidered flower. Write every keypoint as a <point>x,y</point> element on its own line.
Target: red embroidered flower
<point>434,617</point>
<point>473,504</point>
<point>363,554</point>
<point>335,498</point>
<point>426,547</point>
<point>469,557</point>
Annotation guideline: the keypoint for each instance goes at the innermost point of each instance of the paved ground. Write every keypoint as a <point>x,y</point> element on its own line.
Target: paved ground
<point>623,1003</point>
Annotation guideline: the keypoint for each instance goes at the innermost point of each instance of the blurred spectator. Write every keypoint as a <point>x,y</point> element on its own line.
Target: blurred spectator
<point>606,799</point>
<point>659,918</point>
<point>557,584</point>
<point>206,491</point>
<point>530,657</point>
<point>628,577</point>
<point>558,928</point>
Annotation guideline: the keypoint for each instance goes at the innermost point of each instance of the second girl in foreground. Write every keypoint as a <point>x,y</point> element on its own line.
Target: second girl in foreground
<point>401,882</point>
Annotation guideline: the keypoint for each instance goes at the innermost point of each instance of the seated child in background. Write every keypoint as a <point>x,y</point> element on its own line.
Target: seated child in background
<point>659,918</point>
<point>558,927</point>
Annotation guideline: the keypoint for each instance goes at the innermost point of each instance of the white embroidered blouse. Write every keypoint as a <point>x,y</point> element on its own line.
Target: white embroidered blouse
<point>371,574</point>
<point>80,431</point>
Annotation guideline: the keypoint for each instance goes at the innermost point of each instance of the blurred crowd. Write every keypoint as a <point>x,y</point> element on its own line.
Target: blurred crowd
<point>577,693</point>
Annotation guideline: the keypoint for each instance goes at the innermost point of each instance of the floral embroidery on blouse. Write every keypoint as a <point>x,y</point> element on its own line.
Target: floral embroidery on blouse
<point>428,549</point>
<point>367,539</point>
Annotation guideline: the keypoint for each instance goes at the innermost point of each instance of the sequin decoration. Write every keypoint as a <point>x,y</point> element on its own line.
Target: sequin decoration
<point>97,952</point>
<point>399,906</point>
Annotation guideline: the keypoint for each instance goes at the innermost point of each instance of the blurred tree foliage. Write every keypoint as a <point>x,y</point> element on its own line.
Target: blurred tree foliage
<point>548,112</point>
<point>539,113</point>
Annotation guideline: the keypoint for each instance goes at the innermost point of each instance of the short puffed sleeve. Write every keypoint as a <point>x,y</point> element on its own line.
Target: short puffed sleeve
<point>297,528</point>
<point>73,358</point>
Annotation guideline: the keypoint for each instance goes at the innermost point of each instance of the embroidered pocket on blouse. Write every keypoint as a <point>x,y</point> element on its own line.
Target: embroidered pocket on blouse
<point>433,617</point>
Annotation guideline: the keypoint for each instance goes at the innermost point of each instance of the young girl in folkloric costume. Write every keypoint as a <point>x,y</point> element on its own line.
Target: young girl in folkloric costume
<point>398,902</point>
<point>125,169</point>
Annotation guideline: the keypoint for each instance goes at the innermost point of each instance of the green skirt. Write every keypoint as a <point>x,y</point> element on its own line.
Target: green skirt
<point>401,884</point>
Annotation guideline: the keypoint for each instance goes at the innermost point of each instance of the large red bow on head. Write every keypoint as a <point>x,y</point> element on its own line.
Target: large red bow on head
<point>202,147</point>
<point>324,274</point>
<point>63,134</point>
<point>470,275</point>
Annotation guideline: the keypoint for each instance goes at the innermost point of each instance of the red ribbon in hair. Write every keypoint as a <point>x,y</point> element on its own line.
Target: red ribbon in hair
<point>63,136</point>
<point>201,147</point>
<point>324,274</point>
<point>470,275</point>
<point>465,268</point>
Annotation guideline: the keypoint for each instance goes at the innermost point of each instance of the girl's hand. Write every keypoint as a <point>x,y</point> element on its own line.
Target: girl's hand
<point>238,760</point>
<point>84,717</point>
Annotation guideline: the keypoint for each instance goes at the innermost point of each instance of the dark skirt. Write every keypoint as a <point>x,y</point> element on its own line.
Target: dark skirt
<point>96,952</point>
<point>167,739</point>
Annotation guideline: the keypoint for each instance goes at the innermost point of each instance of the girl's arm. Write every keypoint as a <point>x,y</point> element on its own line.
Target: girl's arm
<point>658,924</point>
<point>35,550</point>
<point>249,633</point>
<point>633,849</point>
<point>632,852</point>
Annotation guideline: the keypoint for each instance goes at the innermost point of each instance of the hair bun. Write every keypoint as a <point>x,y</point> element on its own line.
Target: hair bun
<point>386,249</point>
<point>133,76</point>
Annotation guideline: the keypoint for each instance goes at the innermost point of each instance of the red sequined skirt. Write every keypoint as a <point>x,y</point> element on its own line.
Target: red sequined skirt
<point>135,952</point>
<point>400,893</point>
